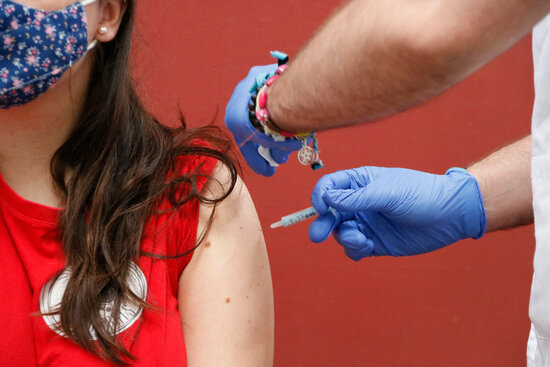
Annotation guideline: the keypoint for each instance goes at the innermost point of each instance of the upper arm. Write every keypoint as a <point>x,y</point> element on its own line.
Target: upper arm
<point>225,293</point>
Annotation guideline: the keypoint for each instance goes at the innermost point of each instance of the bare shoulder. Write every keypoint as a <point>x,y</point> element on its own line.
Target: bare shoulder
<point>236,212</point>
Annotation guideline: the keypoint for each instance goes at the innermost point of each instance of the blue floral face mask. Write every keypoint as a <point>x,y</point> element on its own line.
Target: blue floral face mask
<point>37,47</point>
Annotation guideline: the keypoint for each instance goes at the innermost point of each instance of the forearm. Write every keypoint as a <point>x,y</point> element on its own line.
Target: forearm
<point>504,178</point>
<point>377,57</point>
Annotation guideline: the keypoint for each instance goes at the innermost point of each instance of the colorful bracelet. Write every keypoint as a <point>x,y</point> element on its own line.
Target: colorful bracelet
<point>259,116</point>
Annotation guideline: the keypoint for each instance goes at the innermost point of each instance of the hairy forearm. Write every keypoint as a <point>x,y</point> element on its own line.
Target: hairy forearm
<point>504,178</point>
<point>376,57</point>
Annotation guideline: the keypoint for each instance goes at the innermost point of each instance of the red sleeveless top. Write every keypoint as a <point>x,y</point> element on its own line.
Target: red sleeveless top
<point>31,255</point>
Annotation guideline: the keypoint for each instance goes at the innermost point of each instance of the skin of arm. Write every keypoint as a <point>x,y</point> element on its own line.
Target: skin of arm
<point>225,293</point>
<point>504,179</point>
<point>373,58</point>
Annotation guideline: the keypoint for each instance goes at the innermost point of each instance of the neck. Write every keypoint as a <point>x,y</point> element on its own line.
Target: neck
<point>31,134</point>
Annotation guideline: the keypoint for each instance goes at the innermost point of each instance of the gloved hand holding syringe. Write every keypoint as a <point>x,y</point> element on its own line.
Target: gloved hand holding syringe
<point>377,211</point>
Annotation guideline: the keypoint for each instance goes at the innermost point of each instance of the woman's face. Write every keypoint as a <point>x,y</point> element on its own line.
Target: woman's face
<point>105,13</point>
<point>73,82</point>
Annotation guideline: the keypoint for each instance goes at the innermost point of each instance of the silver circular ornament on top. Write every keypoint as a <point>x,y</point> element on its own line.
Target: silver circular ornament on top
<point>306,155</point>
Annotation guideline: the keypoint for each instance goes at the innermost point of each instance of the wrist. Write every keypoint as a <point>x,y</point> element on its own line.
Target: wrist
<point>471,210</point>
<point>275,109</point>
<point>262,120</point>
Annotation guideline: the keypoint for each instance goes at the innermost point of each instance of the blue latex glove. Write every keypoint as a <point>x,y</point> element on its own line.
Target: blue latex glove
<point>249,138</point>
<point>379,211</point>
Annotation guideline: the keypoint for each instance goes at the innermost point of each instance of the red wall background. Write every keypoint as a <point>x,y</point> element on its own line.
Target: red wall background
<point>466,305</point>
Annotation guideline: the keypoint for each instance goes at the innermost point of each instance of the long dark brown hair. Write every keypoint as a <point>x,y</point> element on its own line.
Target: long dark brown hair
<point>112,171</point>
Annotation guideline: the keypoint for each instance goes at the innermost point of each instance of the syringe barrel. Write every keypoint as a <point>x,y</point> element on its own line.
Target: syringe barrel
<point>302,215</point>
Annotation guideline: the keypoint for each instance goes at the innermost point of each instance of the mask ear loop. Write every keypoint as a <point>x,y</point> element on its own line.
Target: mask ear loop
<point>91,45</point>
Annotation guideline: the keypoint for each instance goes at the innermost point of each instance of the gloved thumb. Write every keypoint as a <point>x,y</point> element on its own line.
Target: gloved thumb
<point>355,200</point>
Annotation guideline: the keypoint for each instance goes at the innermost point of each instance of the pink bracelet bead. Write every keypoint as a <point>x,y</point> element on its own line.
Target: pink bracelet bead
<point>262,100</point>
<point>271,80</point>
<point>261,112</point>
<point>281,69</point>
<point>262,115</point>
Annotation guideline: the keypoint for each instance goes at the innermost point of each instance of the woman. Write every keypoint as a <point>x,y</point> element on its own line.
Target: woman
<point>98,203</point>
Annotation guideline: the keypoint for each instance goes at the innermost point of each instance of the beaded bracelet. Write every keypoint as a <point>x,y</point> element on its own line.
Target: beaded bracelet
<point>259,116</point>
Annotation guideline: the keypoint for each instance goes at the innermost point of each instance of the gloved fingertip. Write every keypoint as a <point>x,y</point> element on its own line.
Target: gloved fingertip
<point>256,162</point>
<point>357,254</point>
<point>294,145</point>
<point>352,254</point>
<point>354,241</point>
<point>268,172</point>
<point>321,228</point>
<point>368,250</point>
<point>279,156</point>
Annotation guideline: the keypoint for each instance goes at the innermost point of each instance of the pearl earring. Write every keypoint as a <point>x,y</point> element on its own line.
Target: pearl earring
<point>103,30</point>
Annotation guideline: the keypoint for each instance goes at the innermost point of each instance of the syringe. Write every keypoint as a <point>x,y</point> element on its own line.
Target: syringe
<point>294,218</point>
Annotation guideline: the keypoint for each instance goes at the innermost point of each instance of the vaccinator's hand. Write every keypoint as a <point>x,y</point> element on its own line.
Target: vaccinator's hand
<point>395,211</point>
<point>248,138</point>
